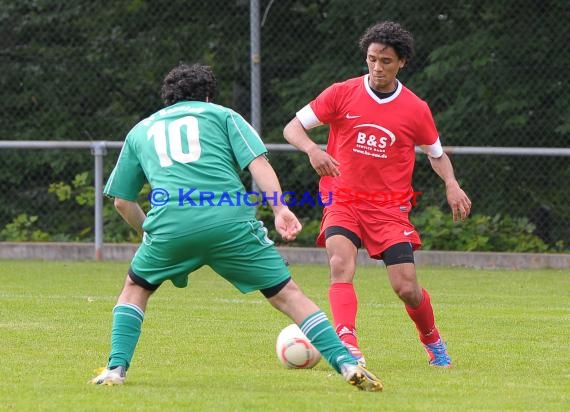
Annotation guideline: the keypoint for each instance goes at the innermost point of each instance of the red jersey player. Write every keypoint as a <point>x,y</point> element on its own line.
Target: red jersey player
<point>375,124</point>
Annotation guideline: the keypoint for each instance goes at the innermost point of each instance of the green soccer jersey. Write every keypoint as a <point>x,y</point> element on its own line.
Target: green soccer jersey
<point>191,154</point>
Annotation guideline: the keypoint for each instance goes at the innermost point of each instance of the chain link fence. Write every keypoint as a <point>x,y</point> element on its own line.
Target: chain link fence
<point>494,74</point>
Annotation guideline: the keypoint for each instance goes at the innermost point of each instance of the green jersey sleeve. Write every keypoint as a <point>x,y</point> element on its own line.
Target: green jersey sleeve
<point>127,178</point>
<point>246,143</point>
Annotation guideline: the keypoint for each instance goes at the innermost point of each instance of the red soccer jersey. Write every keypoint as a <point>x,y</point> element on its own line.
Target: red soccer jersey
<point>373,139</point>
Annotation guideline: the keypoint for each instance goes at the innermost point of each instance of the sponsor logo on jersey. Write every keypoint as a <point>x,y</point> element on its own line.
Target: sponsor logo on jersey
<point>373,140</point>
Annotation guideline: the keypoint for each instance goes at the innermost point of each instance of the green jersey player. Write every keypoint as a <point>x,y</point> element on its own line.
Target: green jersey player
<point>191,153</point>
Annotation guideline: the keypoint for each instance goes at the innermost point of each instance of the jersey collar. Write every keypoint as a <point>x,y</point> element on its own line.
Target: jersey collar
<point>376,98</point>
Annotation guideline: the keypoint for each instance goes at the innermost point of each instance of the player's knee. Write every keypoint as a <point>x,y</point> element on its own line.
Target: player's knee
<point>409,293</point>
<point>342,268</point>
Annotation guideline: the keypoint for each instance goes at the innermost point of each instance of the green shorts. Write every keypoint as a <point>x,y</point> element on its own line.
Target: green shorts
<point>240,252</point>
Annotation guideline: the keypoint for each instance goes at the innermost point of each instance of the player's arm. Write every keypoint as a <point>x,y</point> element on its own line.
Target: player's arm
<point>295,133</point>
<point>131,212</point>
<point>456,198</point>
<point>264,176</point>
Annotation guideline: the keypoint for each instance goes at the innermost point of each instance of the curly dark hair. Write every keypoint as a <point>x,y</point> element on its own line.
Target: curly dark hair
<point>185,82</point>
<point>391,34</point>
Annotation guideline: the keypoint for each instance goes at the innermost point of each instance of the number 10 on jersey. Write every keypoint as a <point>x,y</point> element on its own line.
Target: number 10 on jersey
<point>170,141</point>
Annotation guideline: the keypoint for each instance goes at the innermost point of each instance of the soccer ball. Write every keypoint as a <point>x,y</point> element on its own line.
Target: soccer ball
<point>295,350</point>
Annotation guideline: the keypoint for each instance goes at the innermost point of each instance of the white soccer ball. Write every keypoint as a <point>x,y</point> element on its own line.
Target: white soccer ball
<point>295,350</point>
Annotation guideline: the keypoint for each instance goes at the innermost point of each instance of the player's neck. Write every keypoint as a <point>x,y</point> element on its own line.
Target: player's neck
<point>385,95</point>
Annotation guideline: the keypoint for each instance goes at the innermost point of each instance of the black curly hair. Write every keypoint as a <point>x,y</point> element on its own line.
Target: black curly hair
<point>391,34</point>
<point>185,82</point>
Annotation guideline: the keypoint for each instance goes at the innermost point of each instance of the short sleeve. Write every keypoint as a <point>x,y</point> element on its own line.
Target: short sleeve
<point>244,140</point>
<point>127,178</point>
<point>426,133</point>
<point>324,105</point>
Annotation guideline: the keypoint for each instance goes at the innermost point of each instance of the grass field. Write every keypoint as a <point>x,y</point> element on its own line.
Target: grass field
<point>210,348</point>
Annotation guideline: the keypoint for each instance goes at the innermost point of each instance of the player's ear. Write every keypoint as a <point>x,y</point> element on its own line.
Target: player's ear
<point>402,63</point>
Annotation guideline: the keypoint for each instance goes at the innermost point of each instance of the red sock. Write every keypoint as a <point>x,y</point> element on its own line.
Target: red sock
<point>344,305</point>
<point>423,317</point>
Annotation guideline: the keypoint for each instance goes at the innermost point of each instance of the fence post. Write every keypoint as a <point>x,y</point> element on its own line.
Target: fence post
<point>98,150</point>
<point>255,70</point>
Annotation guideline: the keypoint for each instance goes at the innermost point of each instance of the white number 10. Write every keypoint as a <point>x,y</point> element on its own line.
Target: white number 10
<point>173,139</point>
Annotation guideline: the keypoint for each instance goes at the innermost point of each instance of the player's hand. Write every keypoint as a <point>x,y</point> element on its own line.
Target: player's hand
<point>323,163</point>
<point>287,224</point>
<point>458,201</point>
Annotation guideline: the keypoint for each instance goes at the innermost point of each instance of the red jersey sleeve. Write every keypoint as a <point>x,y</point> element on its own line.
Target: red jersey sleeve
<point>426,132</point>
<point>324,105</point>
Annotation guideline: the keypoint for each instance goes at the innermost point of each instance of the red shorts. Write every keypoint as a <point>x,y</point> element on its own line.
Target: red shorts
<point>378,229</point>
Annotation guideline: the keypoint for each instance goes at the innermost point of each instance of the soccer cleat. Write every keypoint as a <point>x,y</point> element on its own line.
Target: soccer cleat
<point>357,375</point>
<point>438,355</point>
<point>356,353</point>
<point>110,377</point>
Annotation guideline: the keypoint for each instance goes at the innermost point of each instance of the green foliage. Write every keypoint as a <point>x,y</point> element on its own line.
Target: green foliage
<point>81,189</point>
<point>80,192</point>
<point>499,233</point>
<point>77,195</point>
<point>22,229</point>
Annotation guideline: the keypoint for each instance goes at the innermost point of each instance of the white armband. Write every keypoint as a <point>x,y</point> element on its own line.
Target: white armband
<point>308,118</point>
<point>433,150</point>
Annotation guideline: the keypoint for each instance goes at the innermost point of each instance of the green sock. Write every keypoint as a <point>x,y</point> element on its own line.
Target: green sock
<point>127,322</point>
<point>319,330</point>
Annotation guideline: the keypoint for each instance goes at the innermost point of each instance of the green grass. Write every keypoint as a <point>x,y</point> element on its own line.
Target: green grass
<point>210,348</point>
